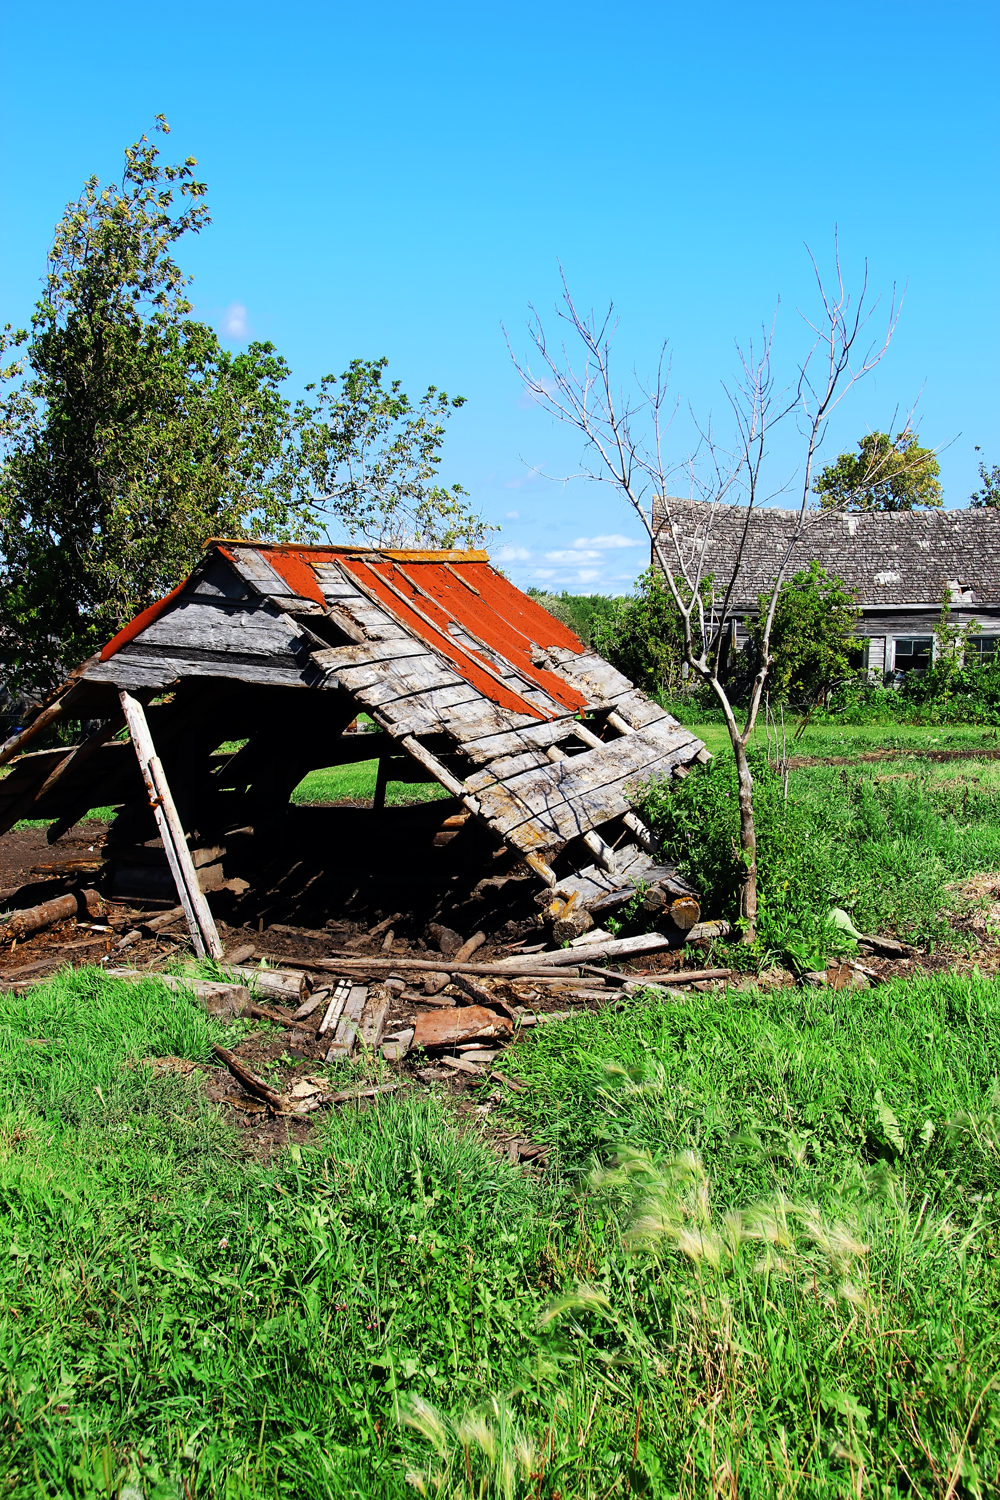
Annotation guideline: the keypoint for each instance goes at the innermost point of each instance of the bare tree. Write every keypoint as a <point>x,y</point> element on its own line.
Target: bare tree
<point>625,440</point>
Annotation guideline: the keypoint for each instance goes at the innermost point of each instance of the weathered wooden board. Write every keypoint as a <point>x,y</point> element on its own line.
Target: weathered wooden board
<point>218,629</point>
<point>132,671</point>
<point>460,712</point>
<point>385,683</point>
<point>533,735</point>
<point>506,766</point>
<point>588,673</point>
<point>333,658</point>
<point>254,566</point>
<point>638,711</point>
<point>592,883</point>
<point>579,775</point>
<point>562,808</point>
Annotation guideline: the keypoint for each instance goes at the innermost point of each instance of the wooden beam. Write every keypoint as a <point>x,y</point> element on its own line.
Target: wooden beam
<point>381,781</point>
<point>201,925</point>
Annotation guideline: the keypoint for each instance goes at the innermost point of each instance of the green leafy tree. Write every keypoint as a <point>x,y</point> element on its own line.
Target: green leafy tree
<point>643,635</point>
<point>583,613</point>
<point>372,458</point>
<point>813,644</point>
<point>130,435</point>
<point>885,474</point>
<point>988,498</point>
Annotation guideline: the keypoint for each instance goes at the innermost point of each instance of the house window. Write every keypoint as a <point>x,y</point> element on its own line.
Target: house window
<point>912,653</point>
<point>982,647</point>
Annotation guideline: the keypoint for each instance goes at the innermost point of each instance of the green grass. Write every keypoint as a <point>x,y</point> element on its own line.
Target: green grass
<point>356,783</point>
<point>762,1261</point>
<point>825,739</point>
<point>890,843</point>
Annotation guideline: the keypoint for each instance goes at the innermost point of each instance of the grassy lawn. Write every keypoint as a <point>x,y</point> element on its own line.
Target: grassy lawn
<point>763,1260</point>
<point>848,739</point>
<point>356,783</point>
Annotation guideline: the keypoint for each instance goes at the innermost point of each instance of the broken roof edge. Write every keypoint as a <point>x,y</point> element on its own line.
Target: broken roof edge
<point>410,554</point>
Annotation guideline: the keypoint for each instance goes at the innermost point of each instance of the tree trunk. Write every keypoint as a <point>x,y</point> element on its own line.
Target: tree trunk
<point>748,842</point>
<point>748,833</point>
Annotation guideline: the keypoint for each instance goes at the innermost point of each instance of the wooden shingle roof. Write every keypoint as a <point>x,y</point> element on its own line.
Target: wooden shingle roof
<point>885,557</point>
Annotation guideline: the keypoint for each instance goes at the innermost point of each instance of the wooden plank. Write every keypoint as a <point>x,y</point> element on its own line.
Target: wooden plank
<point>541,827</point>
<point>134,671</point>
<point>372,1025</point>
<point>517,741</point>
<point>459,711</point>
<point>639,712</point>
<point>335,658</point>
<point>581,778</point>
<point>254,566</point>
<point>588,673</point>
<point>200,923</point>
<point>508,765</point>
<point>202,625</point>
<point>347,1027</point>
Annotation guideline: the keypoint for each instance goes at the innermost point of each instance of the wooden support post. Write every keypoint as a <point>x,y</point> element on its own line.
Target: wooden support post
<point>378,801</point>
<point>199,918</point>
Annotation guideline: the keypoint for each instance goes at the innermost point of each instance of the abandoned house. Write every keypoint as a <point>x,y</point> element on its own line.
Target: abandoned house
<point>900,565</point>
<point>255,671</point>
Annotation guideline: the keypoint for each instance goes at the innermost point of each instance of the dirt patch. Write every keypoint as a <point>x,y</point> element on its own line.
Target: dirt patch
<point>24,853</point>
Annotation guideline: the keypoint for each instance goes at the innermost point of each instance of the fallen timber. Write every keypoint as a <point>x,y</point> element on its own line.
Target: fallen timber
<point>278,649</point>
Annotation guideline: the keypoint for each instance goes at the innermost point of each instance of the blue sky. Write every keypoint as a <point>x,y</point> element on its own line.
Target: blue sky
<point>403,179</point>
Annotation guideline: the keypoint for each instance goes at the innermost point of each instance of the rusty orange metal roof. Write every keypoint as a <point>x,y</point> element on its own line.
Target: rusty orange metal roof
<point>429,593</point>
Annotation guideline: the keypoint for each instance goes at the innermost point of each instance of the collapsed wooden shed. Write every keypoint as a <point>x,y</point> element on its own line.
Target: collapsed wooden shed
<point>278,649</point>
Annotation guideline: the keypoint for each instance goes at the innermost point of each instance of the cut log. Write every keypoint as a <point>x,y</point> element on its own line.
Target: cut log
<point>576,922</point>
<point>445,938</point>
<point>655,981</point>
<point>275,984</point>
<point>219,999</point>
<point>650,942</point>
<point>165,919</point>
<point>469,947</point>
<point>60,909</point>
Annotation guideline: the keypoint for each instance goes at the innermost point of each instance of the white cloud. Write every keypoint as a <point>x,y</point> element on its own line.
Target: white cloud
<point>512,515</point>
<point>544,573</point>
<point>574,555</point>
<point>605,543</point>
<point>514,554</point>
<point>236,323</point>
<point>522,480</point>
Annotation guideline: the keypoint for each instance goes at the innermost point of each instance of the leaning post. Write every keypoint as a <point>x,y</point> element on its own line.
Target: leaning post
<point>201,924</point>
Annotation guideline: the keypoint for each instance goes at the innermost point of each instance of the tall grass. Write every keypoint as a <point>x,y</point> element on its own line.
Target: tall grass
<point>763,1261</point>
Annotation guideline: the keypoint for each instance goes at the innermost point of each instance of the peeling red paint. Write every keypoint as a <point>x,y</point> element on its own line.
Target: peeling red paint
<point>295,570</point>
<point>134,627</point>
